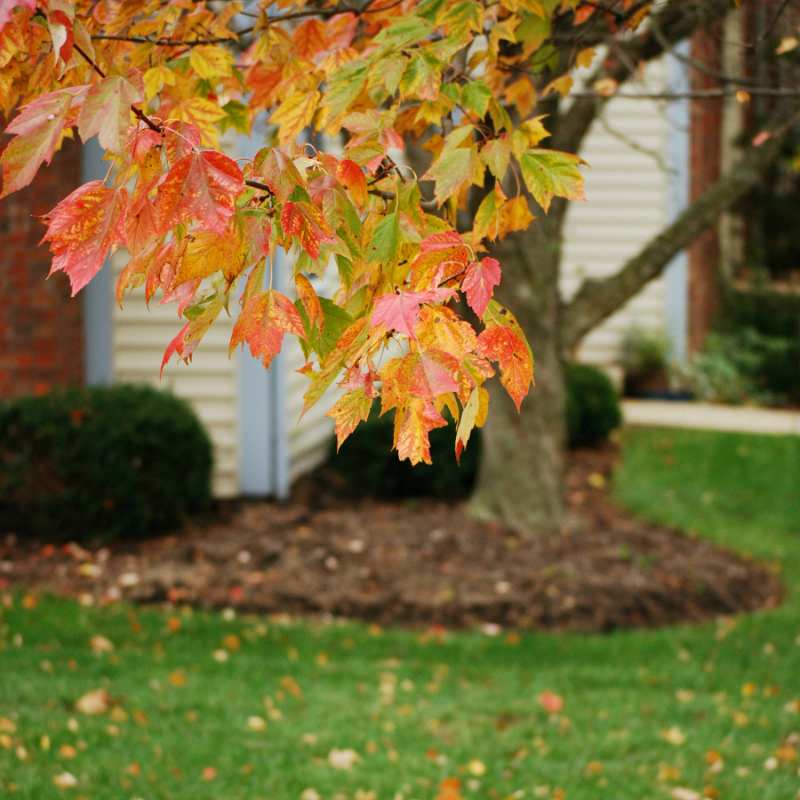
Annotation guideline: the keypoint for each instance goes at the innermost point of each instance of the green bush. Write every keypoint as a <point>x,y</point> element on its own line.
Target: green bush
<point>112,463</point>
<point>367,460</point>
<point>747,366</point>
<point>593,409</point>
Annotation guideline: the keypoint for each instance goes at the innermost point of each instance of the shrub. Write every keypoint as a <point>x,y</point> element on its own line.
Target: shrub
<point>367,460</point>
<point>115,463</point>
<point>593,409</point>
<point>747,366</point>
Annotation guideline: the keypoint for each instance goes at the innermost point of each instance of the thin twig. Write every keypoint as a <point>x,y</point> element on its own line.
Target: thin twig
<point>163,42</point>
<point>138,112</point>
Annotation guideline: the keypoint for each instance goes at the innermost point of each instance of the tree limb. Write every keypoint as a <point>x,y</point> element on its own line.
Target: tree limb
<point>598,299</point>
<point>676,22</point>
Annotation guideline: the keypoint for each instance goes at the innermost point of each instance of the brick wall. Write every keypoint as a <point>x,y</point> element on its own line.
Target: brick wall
<point>41,326</point>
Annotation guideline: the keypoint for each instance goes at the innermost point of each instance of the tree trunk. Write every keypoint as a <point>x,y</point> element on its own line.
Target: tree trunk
<point>520,479</point>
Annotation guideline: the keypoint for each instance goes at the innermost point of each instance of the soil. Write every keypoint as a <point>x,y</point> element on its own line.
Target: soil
<point>331,551</point>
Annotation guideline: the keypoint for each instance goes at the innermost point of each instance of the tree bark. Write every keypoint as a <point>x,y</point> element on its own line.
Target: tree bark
<point>520,479</point>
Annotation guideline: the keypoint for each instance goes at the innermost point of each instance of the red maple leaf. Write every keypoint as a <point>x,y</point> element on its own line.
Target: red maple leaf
<point>202,186</point>
<point>82,228</point>
<point>480,279</point>
<point>263,323</point>
<point>400,312</point>
<point>501,344</point>
<point>39,129</point>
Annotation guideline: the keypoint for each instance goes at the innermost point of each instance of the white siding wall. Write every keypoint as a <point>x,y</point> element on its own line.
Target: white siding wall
<point>209,383</point>
<point>626,190</point>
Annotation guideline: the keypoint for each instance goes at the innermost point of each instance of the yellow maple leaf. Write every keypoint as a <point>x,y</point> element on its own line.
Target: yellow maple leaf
<point>210,62</point>
<point>201,113</point>
<point>294,114</point>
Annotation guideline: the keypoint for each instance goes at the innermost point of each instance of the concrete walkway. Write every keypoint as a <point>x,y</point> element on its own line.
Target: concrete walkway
<point>706,416</point>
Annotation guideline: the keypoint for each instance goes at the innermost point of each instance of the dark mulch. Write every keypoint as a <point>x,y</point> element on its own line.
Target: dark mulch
<point>416,563</point>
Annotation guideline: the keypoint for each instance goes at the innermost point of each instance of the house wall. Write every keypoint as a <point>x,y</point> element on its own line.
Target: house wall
<point>626,190</point>
<point>209,383</point>
<point>41,326</point>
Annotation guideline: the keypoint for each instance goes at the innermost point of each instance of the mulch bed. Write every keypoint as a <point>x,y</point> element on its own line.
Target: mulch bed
<point>421,563</point>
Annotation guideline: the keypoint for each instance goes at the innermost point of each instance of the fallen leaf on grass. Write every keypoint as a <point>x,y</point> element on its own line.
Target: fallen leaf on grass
<point>343,759</point>
<point>291,686</point>
<point>100,644</point>
<point>256,723</point>
<point>178,678</point>
<point>67,751</point>
<point>476,767</point>
<point>98,701</point>
<point>674,735</point>
<point>7,726</point>
<point>551,702</point>
<point>65,781</point>
<point>680,793</point>
<point>208,774</point>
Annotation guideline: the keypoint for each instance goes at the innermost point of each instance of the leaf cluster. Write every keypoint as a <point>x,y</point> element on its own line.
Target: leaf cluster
<point>158,81</point>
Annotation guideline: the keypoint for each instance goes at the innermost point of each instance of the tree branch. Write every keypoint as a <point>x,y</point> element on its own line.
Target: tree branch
<point>676,22</point>
<point>598,299</point>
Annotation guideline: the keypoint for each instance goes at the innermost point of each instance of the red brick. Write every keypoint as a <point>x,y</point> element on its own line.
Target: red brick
<point>41,326</point>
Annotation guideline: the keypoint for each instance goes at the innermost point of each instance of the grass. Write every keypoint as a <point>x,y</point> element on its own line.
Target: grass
<point>421,708</point>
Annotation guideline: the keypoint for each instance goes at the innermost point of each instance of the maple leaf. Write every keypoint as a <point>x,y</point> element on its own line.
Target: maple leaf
<point>425,375</point>
<point>39,128</point>
<point>412,427</point>
<point>482,276</point>
<point>400,312</point>
<point>504,342</point>
<point>468,419</point>
<point>187,339</point>
<point>311,305</point>
<point>294,114</point>
<point>82,228</point>
<point>7,7</point>
<point>353,179</point>
<point>452,170</point>
<point>278,171</point>
<point>263,322</point>
<point>549,174</point>
<point>202,186</point>
<point>207,252</point>
<point>106,111</point>
<point>311,38</point>
<point>305,221</point>
<point>353,407</point>
<point>210,62</point>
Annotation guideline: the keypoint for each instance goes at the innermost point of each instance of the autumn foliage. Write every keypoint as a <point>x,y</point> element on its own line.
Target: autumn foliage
<point>158,81</point>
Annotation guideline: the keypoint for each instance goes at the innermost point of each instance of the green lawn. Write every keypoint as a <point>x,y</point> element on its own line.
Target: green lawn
<point>417,709</point>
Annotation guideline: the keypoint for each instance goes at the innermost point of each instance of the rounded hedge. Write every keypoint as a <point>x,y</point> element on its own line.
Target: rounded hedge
<point>113,463</point>
<point>367,460</point>
<point>593,409</point>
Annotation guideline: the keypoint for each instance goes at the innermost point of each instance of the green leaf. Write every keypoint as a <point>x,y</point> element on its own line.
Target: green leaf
<point>404,31</point>
<point>236,119</point>
<point>475,96</point>
<point>384,246</point>
<point>451,170</point>
<point>345,85</point>
<point>496,154</point>
<point>533,32</point>
<point>550,173</point>
<point>462,19</point>
<point>337,320</point>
